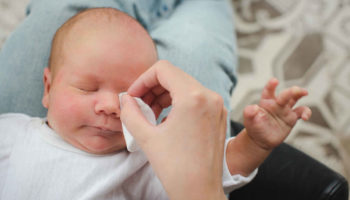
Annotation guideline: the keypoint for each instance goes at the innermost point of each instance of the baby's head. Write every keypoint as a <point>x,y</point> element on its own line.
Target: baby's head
<point>95,55</point>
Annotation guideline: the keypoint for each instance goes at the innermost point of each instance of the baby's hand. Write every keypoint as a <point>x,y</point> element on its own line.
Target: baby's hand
<point>270,122</point>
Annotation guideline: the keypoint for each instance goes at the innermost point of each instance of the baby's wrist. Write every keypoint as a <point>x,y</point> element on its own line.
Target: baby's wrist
<point>253,145</point>
<point>243,155</point>
<point>264,142</point>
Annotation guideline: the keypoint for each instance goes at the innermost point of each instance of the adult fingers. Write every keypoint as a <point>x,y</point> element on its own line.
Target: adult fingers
<point>161,102</point>
<point>162,74</point>
<point>157,101</point>
<point>134,120</point>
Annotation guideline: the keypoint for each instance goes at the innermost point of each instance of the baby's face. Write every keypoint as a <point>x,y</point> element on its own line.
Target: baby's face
<point>82,97</point>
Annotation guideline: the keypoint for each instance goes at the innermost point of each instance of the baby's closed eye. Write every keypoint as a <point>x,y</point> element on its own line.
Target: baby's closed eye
<point>86,87</point>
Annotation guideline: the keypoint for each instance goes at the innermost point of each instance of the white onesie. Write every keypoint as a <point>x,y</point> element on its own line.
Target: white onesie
<point>36,163</point>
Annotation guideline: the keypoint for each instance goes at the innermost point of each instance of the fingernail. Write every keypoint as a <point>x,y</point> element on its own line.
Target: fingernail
<point>274,79</point>
<point>305,91</point>
<point>305,116</point>
<point>295,90</point>
<point>122,99</point>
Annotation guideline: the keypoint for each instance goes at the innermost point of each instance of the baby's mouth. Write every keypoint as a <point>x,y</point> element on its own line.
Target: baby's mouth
<point>104,130</point>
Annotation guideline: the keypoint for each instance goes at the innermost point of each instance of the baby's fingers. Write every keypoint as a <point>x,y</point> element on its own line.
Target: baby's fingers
<point>290,96</point>
<point>269,90</point>
<point>303,112</point>
<point>250,111</point>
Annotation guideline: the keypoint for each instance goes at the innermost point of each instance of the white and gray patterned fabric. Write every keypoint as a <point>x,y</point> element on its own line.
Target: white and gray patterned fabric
<point>305,43</point>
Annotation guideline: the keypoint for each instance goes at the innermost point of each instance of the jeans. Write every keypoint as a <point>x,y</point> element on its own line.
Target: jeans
<point>194,35</point>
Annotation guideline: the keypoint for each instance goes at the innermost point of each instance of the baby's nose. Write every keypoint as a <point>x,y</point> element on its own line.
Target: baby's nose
<point>108,104</point>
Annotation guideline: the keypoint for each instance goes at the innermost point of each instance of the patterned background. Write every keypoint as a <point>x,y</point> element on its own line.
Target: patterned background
<point>305,43</point>
<point>301,42</point>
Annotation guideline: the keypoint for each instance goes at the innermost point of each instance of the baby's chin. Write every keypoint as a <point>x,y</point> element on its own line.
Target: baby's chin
<point>101,145</point>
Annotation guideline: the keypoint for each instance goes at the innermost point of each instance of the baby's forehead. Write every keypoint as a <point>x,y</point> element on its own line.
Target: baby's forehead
<point>101,23</point>
<point>103,19</point>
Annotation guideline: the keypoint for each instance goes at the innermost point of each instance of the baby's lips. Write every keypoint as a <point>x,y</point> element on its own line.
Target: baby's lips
<point>106,130</point>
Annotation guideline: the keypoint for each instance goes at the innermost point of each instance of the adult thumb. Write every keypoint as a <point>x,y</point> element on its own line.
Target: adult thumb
<point>133,119</point>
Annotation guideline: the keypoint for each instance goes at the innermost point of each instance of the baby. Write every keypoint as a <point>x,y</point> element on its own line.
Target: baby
<point>78,151</point>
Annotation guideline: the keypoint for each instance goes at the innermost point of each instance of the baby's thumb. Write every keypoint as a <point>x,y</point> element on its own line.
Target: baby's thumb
<point>133,119</point>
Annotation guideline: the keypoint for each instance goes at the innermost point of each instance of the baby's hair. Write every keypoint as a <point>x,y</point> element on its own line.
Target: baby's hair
<point>103,15</point>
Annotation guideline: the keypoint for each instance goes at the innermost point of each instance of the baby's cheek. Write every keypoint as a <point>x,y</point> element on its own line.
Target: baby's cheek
<point>77,106</point>
<point>68,107</point>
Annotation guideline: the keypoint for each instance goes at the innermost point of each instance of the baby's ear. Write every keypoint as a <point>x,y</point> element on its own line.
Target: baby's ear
<point>47,87</point>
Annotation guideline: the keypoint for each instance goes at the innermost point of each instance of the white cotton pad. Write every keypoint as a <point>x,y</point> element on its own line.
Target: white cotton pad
<point>131,144</point>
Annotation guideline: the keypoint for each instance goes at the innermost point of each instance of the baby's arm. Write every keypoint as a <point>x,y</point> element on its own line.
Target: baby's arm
<point>266,126</point>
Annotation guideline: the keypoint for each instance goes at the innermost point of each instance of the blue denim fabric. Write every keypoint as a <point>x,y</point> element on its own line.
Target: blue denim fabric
<point>195,35</point>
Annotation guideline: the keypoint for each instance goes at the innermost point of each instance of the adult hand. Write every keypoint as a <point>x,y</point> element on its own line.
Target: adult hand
<point>186,150</point>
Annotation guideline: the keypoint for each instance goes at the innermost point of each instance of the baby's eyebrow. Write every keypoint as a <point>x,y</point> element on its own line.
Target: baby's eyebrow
<point>84,78</point>
<point>84,75</point>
